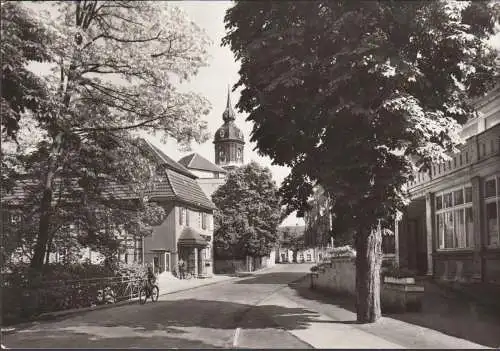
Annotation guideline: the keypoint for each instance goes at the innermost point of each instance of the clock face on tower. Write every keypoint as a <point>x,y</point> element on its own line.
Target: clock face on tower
<point>221,133</point>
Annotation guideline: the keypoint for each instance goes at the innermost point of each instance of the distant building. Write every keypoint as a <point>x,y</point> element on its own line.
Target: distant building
<point>450,230</point>
<point>285,248</point>
<point>210,176</point>
<point>229,146</point>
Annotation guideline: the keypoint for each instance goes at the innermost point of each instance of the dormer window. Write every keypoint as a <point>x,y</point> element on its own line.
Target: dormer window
<point>221,133</point>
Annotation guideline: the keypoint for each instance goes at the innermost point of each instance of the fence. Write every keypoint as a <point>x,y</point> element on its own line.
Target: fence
<point>28,299</point>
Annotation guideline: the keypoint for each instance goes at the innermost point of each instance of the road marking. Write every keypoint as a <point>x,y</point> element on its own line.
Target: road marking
<point>3,347</point>
<point>236,336</point>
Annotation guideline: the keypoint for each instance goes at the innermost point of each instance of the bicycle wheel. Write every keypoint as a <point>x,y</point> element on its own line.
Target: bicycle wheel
<point>143,295</point>
<point>155,292</point>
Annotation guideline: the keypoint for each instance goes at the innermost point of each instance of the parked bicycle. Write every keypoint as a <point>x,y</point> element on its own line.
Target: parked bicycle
<point>148,291</point>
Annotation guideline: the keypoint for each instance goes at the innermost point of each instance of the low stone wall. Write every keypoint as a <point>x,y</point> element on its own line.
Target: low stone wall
<point>396,295</point>
<point>339,275</point>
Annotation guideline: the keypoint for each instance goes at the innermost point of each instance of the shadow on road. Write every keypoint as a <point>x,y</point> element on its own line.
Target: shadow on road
<point>449,316</point>
<point>177,323</point>
<point>273,278</point>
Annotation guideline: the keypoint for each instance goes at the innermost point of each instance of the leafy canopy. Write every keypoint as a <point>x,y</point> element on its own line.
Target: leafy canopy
<point>248,213</point>
<point>357,96</point>
<point>114,73</point>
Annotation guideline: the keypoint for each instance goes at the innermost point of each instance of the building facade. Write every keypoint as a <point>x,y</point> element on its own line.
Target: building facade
<point>186,231</point>
<point>450,230</point>
<point>229,141</point>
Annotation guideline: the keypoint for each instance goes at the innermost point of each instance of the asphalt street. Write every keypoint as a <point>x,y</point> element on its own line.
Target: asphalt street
<point>226,315</point>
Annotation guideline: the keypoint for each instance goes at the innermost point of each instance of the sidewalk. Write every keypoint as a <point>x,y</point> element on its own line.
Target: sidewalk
<point>335,325</point>
<point>170,284</point>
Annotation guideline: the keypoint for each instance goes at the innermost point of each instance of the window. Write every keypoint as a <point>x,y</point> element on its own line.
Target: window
<point>454,219</point>
<point>492,209</point>
<point>309,257</point>
<point>203,221</point>
<point>186,211</point>
<point>181,215</point>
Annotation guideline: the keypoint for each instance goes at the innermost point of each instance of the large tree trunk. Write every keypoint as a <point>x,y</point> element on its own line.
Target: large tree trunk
<point>43,227</point>
<point>45,210</point>
<point>368,263</point>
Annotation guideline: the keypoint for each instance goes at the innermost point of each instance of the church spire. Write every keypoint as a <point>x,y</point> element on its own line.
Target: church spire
<point>228,114</point>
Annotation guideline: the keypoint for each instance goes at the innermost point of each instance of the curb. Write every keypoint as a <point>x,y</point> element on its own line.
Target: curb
<point>53,315</point>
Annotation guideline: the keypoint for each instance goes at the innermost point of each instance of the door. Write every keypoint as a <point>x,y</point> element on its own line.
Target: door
<point>421,248</point>
<point>412,244</point>
<point>159,262</point>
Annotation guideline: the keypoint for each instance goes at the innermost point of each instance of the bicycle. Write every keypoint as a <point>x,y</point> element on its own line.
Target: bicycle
<point>148,291</point>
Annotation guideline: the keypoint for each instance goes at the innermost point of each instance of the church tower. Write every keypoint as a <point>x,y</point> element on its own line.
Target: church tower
<point>229,141</point>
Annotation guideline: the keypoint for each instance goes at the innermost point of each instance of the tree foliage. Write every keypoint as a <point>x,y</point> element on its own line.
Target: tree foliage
<point>357,96</point>
<point>114,74</point>
<point>248,213</point>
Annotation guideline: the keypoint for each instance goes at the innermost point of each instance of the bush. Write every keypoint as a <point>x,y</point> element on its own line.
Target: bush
<point>393,271</point>
<point>26,293</point>
<point>342,251</point>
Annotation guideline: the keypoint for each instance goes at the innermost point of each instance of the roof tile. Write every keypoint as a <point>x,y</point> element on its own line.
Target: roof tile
<point>198,162</point>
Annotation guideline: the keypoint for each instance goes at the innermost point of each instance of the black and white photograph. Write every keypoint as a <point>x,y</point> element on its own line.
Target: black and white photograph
<point>243,174</point>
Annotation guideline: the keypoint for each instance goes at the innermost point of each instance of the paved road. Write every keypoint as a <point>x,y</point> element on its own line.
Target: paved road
<point>226,315</point>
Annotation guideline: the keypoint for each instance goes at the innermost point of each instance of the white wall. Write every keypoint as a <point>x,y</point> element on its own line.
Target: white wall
<point>340,276</point>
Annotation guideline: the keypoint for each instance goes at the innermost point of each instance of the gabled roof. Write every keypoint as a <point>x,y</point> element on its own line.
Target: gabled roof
<point>187,190</point>
<point>198,162</point>
<point>167,161</point>
<point>176,183</point>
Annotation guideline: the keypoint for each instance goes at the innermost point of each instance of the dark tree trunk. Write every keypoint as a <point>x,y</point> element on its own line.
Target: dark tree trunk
<point>45,217</point>
<point>368,263</point>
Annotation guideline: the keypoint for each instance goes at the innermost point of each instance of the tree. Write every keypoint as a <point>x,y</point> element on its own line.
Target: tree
<point>23,40</point>
<point>356,96</point>
<point>113,77</point>
<point>248,213</point>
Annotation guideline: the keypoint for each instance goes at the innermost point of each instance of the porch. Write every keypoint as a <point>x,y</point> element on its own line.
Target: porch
<point>195,250</point>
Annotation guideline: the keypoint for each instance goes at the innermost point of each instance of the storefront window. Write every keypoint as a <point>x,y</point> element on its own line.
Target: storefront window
<point>492,209</point>
<point>454,219</point>
<point>492,223</point>
<point>469,227</point>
